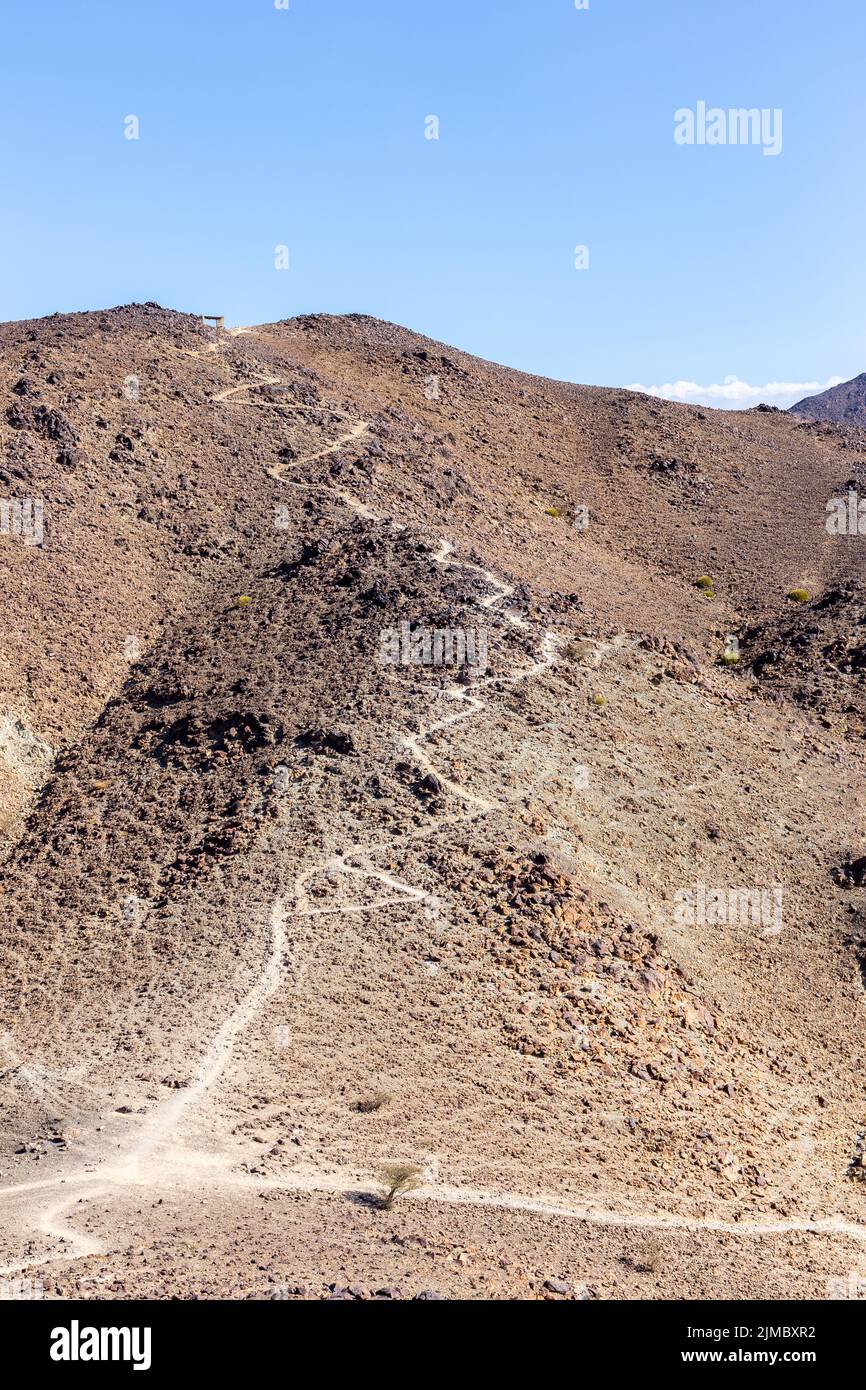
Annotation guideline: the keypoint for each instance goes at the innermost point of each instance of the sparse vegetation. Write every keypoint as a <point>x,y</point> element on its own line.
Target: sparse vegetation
<point>799,595</point>
<point>577,651</point>
<point>648,1255</point>
<point>372,1103</point>
<point>269,788</point>
<point>397,1179</point>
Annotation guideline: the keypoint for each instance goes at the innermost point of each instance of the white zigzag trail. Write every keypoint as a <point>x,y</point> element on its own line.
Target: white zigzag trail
<point>153,1163</point>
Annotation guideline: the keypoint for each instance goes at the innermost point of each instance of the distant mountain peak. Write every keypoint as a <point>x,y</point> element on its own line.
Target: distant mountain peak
<point>845,403</point>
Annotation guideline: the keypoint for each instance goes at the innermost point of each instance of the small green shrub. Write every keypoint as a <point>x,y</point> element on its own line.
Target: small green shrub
<point>799,595</point>
<point>705,582</point>
<point>397,1178</point>
<point>242,601</point>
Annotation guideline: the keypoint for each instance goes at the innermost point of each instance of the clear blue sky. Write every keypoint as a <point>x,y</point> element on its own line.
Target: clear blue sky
<point>305,127</point>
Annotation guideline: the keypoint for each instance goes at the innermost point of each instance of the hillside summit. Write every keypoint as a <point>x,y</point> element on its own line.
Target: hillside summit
<point>408,761</point>
<point>844,404</point>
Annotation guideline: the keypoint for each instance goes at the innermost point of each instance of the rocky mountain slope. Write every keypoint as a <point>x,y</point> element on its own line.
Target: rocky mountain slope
<point>287,898</point>
<point>845,403</point>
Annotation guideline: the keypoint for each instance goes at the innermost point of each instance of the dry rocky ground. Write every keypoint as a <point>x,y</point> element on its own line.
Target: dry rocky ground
<point>845,403</point>
<point>277,912</point>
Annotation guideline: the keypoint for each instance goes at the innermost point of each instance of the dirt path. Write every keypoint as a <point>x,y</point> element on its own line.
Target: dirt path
<point>74,1244</point>
<point>193,1177</point>
<point>165,1122</point>
<point>157,1162</point>
<point>592,1214</point>
<point>359,428</point>
<point>148,1163</point>
<point>245,386</point>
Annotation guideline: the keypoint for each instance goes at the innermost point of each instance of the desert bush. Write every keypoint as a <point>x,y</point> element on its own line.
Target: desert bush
<point>398,1178</point>
<point>799,595</point>
<point>372,1103</point>
<point>648,1255</point>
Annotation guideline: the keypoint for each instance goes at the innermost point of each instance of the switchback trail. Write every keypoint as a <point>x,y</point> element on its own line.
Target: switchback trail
<point>155,1161</point>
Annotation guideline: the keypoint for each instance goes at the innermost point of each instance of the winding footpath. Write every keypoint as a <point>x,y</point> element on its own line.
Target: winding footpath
<point>154,1161</point>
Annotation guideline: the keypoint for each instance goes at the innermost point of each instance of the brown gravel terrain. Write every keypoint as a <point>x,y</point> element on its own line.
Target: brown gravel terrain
<point>572,928</point>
